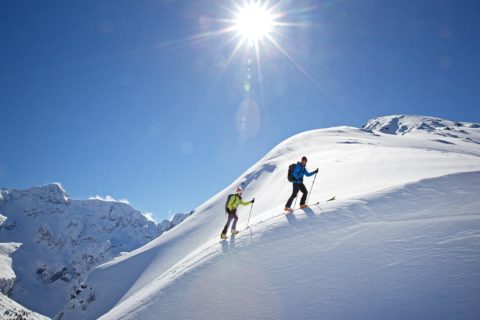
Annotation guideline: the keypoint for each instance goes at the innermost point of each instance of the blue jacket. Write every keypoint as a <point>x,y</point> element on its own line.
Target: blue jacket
<point>299,172</point>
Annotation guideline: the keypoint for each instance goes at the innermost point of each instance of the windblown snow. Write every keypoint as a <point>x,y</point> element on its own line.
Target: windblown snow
<point>401,240</point>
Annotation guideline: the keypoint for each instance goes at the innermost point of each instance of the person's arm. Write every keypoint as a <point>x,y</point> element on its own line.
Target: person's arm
<point>308,174</point>
<point>245,203</point>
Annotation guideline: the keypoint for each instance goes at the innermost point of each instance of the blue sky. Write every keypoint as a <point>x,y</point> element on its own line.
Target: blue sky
<point>120,98</point>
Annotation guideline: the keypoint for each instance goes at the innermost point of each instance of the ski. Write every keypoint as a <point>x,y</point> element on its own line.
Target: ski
<point>296,209</point>
<point>313,204</point>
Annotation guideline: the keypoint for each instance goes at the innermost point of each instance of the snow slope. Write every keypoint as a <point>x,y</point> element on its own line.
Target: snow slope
<point>9,309</point>
<point>389,256</point>
<point>400,241</point>
<point>7,276</point>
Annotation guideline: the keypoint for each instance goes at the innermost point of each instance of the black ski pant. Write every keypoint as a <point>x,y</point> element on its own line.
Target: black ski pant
<point>232,215</point>
<point>297,187</point>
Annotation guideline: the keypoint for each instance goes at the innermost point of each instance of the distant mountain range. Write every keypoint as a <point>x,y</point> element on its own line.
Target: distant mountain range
<point>56,240</point>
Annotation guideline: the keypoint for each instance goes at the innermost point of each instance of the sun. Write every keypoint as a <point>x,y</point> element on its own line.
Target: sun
<point>255,31</point>
<point>253,22</point>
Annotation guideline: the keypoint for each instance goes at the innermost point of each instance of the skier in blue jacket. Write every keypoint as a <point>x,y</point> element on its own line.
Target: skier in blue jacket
<point>298,185</point>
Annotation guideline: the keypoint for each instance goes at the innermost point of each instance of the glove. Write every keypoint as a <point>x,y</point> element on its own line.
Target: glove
<point>316,171</point>
<point>253,200</point>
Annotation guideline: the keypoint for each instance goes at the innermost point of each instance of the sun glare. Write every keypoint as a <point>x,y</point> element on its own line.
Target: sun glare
<point>254,30</point>
<point>253,22</point>
<point>256,35</point>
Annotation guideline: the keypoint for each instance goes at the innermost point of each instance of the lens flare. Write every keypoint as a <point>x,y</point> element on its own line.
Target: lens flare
<point>248,119</point>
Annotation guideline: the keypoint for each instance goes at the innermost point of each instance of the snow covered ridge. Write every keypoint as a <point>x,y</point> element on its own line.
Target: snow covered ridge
<point>400,241</point>
<point>405,124</point>
<point>62,239</point>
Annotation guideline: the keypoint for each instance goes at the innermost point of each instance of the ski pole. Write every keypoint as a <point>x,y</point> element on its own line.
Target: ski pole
<point>251,207</point>
<point>311,187</point>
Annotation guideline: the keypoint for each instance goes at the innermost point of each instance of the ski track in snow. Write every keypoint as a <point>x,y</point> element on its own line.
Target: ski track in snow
<point>325,233</point>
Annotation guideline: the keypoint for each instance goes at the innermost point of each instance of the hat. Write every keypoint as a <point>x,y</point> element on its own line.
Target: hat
<point>304,158</point>
<point>239,190</point>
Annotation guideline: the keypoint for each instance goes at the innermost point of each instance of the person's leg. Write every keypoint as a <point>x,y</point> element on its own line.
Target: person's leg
<point>296,187</point>
<point>235,219</point>
<point>305,192</point>
<point>229,219</point>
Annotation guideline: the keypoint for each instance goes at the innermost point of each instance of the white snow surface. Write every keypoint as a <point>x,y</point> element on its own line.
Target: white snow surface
<point>405,124</point>
<point>7,275</point>
<point>401,240</point>
<point>10,310</point>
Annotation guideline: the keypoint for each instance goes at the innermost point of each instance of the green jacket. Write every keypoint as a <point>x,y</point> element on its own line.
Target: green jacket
<point>235,201</point>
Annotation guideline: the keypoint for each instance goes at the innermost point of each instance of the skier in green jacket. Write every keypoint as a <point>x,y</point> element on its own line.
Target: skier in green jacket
<point>234,200</point>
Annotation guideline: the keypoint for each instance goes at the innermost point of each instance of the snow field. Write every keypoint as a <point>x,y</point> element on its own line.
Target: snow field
<point>339,259</point>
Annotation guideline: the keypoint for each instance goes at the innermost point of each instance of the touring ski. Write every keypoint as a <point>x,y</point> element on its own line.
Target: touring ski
<point>313,204</point>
